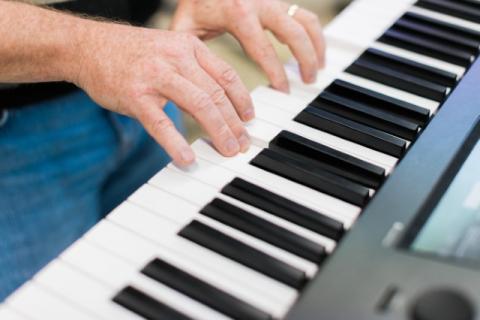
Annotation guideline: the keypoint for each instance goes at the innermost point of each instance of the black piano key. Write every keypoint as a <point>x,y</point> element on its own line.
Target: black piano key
<point>367,115</point>
<point>427,47</point>
<point>397,79</point>
<point>432,33</point>
<point>466,10</point>
<point>145,306</point>
<point>460,31</point>
<point>255,226</point>
<point>307,174</point>
<point>330,159</point>
<point>284,208</point>
<point>203,292</point>
<point>236,250</point>
<point>410,67</point>
<point>401,108</point>
<point>353,131</point>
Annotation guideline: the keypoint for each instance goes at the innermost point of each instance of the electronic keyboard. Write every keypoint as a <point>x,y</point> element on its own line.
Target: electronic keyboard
<point>320,218</point>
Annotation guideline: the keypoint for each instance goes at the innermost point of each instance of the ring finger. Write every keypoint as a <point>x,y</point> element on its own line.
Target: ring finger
<point>293,34</point>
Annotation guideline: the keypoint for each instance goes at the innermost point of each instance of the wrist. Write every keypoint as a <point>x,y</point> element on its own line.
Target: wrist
<point>77,48</point>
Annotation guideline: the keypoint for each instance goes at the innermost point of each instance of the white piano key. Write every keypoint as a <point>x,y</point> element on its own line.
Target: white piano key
<point>197,172</point>
<point>82,291</point>
<point>178,252</point>
<point>268,291</point>
<point>109,268</point>
<point>338,57</point>
<point>146,198</point>
<point>446,18</point>
<point>276,98</point>
<point>364,21</point>
<point>261,132</point>
<point>390,91</point>
<point>420,58</point>
<point>39,304</point>
<point>323,203</point>
<point>8,314</point>
<point>104,266</point>
<point>218,177</point>
<point>267,114</point>
<point>174,183</point>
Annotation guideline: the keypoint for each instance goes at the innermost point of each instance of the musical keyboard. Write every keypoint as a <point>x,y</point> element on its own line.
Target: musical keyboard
<point>275,233</point>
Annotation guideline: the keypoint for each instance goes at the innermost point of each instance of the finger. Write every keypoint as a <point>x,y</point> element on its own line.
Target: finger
<point>312,25</point>
<point>162,129</point>
<point>257,45</point>
<point>218,96</point>
<point>198,103</point>
<point>229,80</point>
<point>292,33</point>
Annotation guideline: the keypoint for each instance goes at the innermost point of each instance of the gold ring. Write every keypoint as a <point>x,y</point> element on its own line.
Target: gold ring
<point>292,10</point>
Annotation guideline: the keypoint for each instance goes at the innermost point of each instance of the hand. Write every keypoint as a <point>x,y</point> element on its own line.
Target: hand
<point>246,20</point>
<point>135,71</point>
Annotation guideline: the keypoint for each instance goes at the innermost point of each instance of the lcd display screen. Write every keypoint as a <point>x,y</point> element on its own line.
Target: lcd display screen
<point>453,228</point>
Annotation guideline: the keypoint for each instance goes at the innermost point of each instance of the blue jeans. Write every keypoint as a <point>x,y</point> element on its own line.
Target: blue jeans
<point>64,164</point>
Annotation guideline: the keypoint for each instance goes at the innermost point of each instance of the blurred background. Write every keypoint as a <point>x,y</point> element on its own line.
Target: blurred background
<point>228,48</point>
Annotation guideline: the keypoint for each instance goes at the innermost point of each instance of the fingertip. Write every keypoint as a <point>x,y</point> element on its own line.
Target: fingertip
<point>283,87</point>
<point>231,147</point>
<point>187,157</point>
<point>310,77</point>
<point>248,115</point>
<point>244,142</point>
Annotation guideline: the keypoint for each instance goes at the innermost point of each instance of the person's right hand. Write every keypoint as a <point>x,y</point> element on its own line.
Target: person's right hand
<point>135,71</point>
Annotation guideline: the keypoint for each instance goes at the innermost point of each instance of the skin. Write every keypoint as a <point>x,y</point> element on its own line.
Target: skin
<point>135,71</point>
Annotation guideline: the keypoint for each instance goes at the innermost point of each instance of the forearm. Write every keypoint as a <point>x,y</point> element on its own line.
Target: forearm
<point>38,44</point>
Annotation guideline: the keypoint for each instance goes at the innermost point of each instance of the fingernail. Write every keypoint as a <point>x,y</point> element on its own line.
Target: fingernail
<point>284,88</point>
<point>244,141</point>
<point>249,114</point>
<point>187,156</point>
<point>232,146</point>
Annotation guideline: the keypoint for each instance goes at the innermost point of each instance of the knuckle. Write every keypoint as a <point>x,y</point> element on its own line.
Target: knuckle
<point>228,77</point>
<point>264,52</point>
<point>223,131</point>
<point>239,9</point>
<point>298,34</point>
<point>311,18</point>
<point>218,96</point>
<point>201,103</point>
<point>161,126</point>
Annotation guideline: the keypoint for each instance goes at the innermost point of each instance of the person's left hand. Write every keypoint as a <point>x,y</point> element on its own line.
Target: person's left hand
<point>246,20</point>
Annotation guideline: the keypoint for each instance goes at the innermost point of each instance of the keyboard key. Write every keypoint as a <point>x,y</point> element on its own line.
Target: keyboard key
<point>370,116</point>
<point>330,159</point>
<point>7,314</point>
<point>446,37</point>
<point>411,67</point>
<point>333,207</point>
<point>287,209</point>
<point>92,294</point>
<point>398,79</point>
<point>145,306</point>
<point>214,240</point>
<point>201,291</point>
<point>352,131</point>
<point>242,220</point>
<point>426,46</point>
<point>468,10</point>
<point>309,175</point>
<point>409,111</point>
<point>36,303</point>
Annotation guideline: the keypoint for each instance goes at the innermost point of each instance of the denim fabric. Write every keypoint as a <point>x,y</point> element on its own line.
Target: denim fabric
<point>64,164</point>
